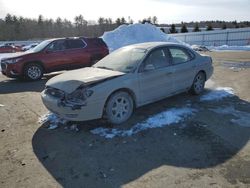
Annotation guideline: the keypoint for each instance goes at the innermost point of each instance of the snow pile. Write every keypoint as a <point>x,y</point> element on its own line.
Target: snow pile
<point>135,33</point>
<point>52,119</point>
<point>218,94</point>
<point>171,116</point>
<point>242,118</point>
<point>229,48</point>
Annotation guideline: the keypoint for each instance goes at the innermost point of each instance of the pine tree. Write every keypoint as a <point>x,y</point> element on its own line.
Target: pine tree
<point>209,27</point>
<point>184,29</point>
<point>173,29</point>
<point>101,21</point>
<point>154,20</point>
<point>118,22</point>
<point>123,20</point>
<point>224,26</point>
<point>196,28</point>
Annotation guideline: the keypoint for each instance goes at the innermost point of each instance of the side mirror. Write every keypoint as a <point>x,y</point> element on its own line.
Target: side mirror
<point>149,67</point>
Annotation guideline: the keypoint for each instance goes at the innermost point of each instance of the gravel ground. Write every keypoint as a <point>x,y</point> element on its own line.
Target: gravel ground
<point>208,149</point>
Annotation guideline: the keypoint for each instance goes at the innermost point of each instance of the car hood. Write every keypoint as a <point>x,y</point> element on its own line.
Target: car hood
<point>16,55</point>
<point>71,80</point>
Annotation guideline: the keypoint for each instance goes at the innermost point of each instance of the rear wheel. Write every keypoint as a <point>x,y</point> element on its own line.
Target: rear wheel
<point>198,84</point>
<point>33,71</point>
<point>119,107</point>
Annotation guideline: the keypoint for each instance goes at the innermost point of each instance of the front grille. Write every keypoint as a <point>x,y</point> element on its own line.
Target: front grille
<point>3,66</point>
<point>54,92</point>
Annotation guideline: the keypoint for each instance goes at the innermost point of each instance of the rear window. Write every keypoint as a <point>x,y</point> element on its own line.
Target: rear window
<point>179,55</point>
<point>99,42</point>
<point>96,42</point>
<point>75,43</point>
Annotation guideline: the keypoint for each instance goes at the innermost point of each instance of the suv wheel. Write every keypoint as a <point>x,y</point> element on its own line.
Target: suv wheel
<point>33,71</point>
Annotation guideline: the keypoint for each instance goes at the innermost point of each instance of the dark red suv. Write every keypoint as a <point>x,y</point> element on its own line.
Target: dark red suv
<point>54,55</point>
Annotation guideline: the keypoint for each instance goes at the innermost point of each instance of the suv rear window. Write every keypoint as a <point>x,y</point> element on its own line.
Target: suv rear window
<point>75,43</point>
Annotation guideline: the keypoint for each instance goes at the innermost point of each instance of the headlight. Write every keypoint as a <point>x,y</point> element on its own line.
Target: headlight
<point>11,61</point>
<point>79,96</point>
<point>54,92</point>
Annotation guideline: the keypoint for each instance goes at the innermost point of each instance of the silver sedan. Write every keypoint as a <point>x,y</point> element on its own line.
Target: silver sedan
<point>128,78</point>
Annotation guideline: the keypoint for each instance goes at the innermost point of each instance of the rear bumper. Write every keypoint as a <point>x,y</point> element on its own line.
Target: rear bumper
<point>209,72</point>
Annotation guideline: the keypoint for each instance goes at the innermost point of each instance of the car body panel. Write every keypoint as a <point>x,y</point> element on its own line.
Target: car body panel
<point>149,84</point>
<point>79,77</point>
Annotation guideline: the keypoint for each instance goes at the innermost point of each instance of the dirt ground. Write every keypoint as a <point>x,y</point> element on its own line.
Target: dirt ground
<point>206,150</point>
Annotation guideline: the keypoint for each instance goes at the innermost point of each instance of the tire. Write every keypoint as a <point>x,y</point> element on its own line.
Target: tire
<point>198,84</point>
<point>119,107</point>
<point>33,71</point>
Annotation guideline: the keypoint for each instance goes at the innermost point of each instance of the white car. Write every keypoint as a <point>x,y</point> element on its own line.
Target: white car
<point>127,78</point>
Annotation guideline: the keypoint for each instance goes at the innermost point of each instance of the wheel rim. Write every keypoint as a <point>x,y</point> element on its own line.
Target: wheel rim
<point>199,83</point>
<point>34,72</point>
<point>120,108</point>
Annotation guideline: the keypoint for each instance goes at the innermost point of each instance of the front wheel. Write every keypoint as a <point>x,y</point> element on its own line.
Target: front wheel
<point>33,71</point>
<point>198,84</point>
<point>119,107</point>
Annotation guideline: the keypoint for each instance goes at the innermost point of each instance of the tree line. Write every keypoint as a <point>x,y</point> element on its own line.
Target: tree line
<point>19,28</point>
<point>14,27</point>
<point>208,25</point>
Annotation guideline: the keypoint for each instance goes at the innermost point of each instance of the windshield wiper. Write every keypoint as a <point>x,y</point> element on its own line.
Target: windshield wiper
<point>102,67</point>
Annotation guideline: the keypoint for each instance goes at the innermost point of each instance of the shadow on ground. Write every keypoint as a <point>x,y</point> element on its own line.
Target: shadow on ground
<point>85,160</point>
<point>16,85</point>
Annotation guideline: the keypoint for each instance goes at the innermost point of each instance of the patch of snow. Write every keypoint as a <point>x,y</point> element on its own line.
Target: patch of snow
<point>135,33</point>
<point>72,128</point>
<point>242,118</point>
<point>170,116</point>
<point>199,48</point>
<point>1,105</point>
<point>210,84</point>
<point>52,119</point>
<point>229,48</point>
<point>52,126</point>
<point>218,94</point>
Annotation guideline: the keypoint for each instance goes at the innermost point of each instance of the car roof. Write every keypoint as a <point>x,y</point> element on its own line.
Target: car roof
<point>151,45</point>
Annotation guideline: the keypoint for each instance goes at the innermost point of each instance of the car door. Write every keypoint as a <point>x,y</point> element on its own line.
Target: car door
<point>155,76</point>
<point>77,53</point>
<point>183,63</point>
<point>55,57</point>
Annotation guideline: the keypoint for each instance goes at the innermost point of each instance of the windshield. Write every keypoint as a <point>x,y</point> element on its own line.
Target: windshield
<point>125,59</point>
<point>40,46</point>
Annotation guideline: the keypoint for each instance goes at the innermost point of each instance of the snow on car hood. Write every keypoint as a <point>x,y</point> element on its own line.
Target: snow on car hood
<point>71,80</point>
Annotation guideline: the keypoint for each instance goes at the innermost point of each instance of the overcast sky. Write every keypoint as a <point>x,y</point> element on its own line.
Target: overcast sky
<point>167,11</point>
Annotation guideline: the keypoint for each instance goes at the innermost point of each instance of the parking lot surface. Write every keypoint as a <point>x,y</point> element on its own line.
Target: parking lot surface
<point>209,148</point>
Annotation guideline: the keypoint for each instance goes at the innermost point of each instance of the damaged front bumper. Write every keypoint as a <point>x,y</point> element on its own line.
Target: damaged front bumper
<point>72,112</point>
